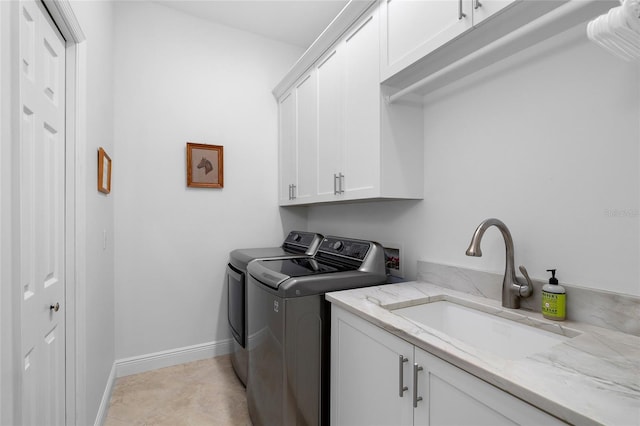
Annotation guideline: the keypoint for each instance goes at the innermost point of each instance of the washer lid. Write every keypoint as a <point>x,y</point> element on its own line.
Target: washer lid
<point>340,263</point>
<point>273,272</point>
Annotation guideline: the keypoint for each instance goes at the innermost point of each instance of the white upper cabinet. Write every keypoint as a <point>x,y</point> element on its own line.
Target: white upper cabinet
<point>345,135</point>
<point>298,130</point>
<point>349,115</point>
<point>287,147</point>
<point>330,121</point>
<point>362,163</point>
<point>483,9</point>
<point>411,29</point>
<point>350,144</point>
<point>427,44</point>
<point>306,137</point>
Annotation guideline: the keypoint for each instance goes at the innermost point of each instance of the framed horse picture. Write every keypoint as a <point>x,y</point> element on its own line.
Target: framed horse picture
<point>104,171</point>
<point>204,165</point>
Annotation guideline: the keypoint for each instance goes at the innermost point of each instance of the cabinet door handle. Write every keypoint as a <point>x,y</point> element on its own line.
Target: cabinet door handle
<point>335,185</point>
<point>341,182</point>
<point>461,14</point>
<point>416,398</point>
<point>290,191</point>
<point>477,4</point>
<point>293,191</point>
<point>401,387</point>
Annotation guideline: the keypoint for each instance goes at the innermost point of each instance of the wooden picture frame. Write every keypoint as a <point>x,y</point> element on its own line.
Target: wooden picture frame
<point>104,171</point>
<point>205,165</point>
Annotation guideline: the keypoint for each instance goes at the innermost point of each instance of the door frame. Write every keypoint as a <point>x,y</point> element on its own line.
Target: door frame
<point>75,211</point>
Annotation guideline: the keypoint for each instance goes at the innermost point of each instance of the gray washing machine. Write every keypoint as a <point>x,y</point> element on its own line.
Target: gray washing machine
<point>296,244</point>
<point>289,328</point>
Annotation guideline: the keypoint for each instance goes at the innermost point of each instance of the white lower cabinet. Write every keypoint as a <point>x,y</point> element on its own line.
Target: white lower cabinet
<point>379,379</point>
<point>365,374</point>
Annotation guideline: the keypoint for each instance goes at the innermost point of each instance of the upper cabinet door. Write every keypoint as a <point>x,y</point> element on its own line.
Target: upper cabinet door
<point>287,146</point>
<point>412,29</point>
<point>362,109</point>
<point>306,137</point>
<point>484,9</point>
<point>330,72</point>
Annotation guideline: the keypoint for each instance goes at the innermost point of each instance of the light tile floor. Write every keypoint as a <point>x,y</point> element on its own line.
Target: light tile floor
<point>198,393</point>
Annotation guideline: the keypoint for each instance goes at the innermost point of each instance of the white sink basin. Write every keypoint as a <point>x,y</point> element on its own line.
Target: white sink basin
<point>482,330</point>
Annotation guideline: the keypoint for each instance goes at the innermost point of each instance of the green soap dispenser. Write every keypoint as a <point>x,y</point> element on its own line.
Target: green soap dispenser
<point>554,299</point>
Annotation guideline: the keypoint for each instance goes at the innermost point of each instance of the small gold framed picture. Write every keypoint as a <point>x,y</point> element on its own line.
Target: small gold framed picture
<point>205,165</point>
<point>104,171</point>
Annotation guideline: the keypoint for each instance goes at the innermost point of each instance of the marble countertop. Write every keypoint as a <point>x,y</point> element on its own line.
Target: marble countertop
<point>592,378</point>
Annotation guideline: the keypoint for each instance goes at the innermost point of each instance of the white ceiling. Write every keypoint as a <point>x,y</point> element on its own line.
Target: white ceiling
<point>296,22</point>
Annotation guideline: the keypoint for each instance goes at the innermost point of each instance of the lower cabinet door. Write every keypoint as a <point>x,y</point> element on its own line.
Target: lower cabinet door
<point>367,374</point>
<point>451,396</point>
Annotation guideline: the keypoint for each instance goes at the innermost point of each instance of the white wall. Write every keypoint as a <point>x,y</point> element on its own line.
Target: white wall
<point>180,79</point>
<point>8,375</point>
<point>96,333</point>
<point>548,141</point>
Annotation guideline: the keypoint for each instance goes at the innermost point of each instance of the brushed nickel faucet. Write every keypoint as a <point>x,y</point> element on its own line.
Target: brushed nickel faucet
<point>512,290</point>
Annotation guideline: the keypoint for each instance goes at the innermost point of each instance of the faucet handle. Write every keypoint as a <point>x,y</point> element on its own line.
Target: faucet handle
<point>525,290</point>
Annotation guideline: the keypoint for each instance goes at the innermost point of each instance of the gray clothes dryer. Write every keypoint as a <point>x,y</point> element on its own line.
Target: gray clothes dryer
<point>296,244</point>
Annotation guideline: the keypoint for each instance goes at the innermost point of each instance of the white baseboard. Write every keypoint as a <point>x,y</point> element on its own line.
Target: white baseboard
<point>142,363</point>
<point>106,398</point>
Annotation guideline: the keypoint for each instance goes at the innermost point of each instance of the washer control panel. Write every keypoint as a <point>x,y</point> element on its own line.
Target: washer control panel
<point>354,249</point>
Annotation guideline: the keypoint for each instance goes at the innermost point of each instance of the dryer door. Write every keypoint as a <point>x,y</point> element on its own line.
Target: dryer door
<point>236,288</point>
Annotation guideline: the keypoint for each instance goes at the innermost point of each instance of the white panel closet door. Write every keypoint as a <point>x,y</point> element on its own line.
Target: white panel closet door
<point>42,171</point>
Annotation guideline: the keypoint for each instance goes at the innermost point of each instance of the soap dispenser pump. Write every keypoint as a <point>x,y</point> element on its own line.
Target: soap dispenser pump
<point>554,299</point>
